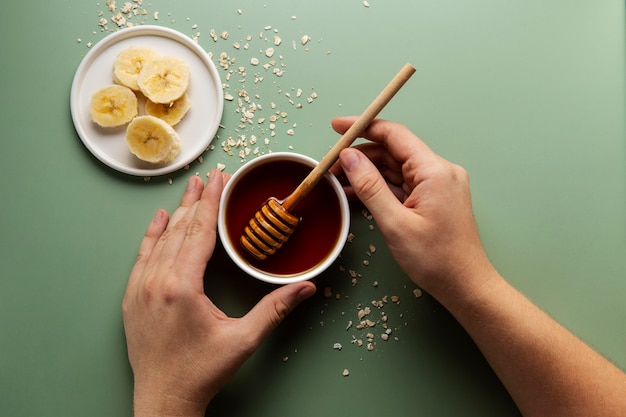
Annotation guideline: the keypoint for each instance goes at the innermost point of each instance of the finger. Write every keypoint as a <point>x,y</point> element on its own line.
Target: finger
<point>190,196</point>
<point>369,185</point>
<point>275,306</point>
<point>201,233</point>
<point>401,143</point>
<point>146,247</point>
<point>389,167</point>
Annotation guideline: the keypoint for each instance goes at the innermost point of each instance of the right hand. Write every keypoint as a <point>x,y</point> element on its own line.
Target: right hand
<point>421,203</point>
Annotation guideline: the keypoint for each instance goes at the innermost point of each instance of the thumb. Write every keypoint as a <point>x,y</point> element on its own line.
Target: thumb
<point>367,183</point>
<point>275,306</point>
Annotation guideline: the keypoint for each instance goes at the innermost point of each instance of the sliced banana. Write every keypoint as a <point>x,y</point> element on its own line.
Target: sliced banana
<point>129,63</point>
<point>113,106</point>
<point>152,140</point>
<point>172,112</point>
<point>164,79</point>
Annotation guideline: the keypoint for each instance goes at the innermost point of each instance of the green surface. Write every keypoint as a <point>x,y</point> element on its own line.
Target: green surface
<point>528,96</point>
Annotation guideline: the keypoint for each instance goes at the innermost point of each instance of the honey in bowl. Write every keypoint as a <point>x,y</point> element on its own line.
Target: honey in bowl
<point>323,216</point>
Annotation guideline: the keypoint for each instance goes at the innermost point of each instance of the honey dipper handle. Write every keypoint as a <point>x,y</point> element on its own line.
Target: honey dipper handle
<point>350,136</point>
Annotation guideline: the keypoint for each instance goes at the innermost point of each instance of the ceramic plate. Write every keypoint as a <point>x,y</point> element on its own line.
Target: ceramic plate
<point>197,128</point>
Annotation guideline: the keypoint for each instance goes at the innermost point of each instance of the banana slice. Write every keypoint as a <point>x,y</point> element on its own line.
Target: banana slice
<point>113,106</point>
<point>164,79</point>
<point>152,140</point>
<point>172,113</point>
<point>129,63</point>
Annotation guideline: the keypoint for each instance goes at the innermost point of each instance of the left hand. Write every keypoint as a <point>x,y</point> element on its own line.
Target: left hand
<point>181,347</point>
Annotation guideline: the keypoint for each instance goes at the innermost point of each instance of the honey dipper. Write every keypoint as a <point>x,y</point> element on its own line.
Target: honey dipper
<point>274,223</point>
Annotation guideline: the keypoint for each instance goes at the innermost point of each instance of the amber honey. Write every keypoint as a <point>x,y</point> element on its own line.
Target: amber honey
<point>320,214</point>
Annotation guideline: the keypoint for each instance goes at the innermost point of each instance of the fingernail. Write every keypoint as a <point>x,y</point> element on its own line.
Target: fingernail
<point>191,183</point>
<point>214,175</point>
<point>158,215</point>
<point>349,159</point>
<point>306,292</point>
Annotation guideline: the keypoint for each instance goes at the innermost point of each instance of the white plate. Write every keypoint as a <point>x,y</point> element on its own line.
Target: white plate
<point>197,128</point>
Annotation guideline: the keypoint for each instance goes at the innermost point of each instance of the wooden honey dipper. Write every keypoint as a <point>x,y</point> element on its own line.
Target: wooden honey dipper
<point>274,223</point>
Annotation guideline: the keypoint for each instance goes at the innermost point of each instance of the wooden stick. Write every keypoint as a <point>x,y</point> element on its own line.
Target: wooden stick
<point>350,136</point>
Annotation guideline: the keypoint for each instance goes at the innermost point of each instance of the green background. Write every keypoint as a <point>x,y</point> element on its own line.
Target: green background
<point>528,96</point>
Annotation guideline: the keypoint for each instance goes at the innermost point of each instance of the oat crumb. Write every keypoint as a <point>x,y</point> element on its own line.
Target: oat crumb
<point>345,372</point>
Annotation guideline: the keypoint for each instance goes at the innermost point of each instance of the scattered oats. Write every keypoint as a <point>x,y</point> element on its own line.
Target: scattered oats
<point>372,248</point>
<point>384,336</point>
<point>349,325</point>
<point>239,11</point>
<point>89,44</point>
<point>269,52</point>
<point>337,346</point>
<point>170,181</point>
<point>290,132</point>
<point>285,358</point>
<point>228,97</point>
<point>366,262</point>
<point>370,323</point>
<point>305,39</point>
<point>395,299</point>
<point>370,346</point>
<point>146,179</point>
<point>375,284</point>
<point>200,159</point>
<point>224,35</point>
<point>328,292</point>
<point>366,4</point>
<point>350,237</point>
<point>277,40</point>
<point>345,372</point>
<point>194,26</point>
<point>102,22</point>
<point>364,312</point>
<point>211,33</point>
<point>254,61</point>
<point>417,293</point>
<point>79,40</point>
<point>119,19</point>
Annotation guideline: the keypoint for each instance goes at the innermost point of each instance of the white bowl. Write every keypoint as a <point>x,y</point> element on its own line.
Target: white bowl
<point>232,247</point>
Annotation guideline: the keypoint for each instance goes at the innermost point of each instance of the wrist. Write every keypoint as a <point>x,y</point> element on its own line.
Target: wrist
<point>149,400</point>
<point>468,286</point>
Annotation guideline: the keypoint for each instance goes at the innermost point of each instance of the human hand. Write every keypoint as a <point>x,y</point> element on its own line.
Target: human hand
<point>421,203</point>
<point>181,347</point>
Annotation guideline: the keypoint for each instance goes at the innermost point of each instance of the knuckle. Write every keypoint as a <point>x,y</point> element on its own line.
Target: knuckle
<point>194,228</point>
<point>368,186</point>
